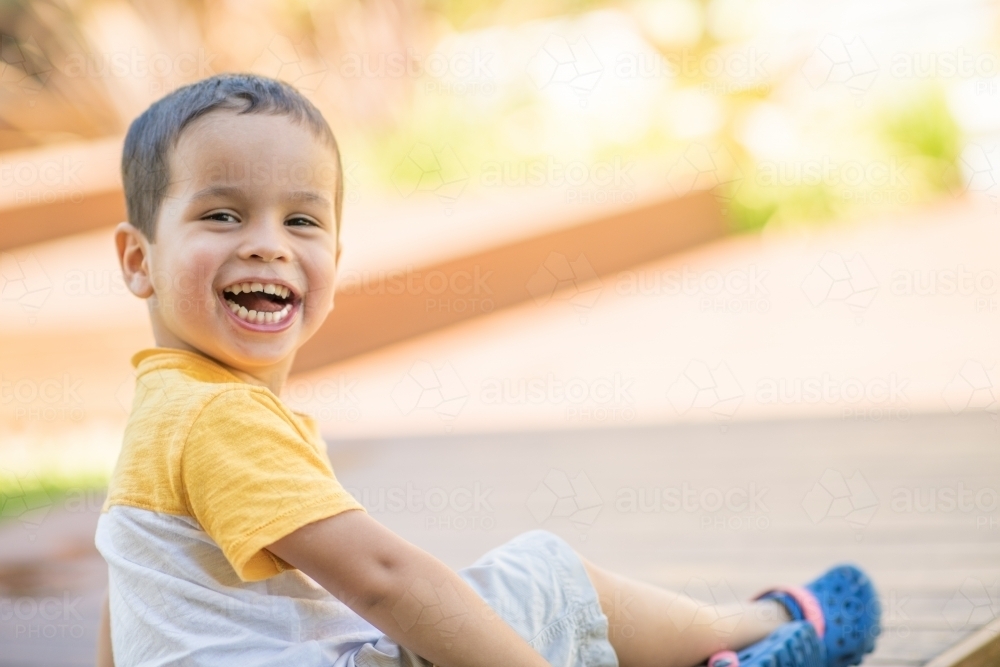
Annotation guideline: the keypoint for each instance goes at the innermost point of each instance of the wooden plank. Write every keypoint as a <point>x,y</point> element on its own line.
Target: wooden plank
<point>51,220</point>
<point>47,193</point>
<point>670,549</point>
<point>385,307</point>
<point>980,649</point>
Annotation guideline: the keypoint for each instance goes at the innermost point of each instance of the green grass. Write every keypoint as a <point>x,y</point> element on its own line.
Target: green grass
<point>21,495</point>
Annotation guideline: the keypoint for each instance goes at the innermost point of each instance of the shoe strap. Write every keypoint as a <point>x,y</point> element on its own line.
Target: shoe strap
<point>724,659</point>
<point>808,605</point>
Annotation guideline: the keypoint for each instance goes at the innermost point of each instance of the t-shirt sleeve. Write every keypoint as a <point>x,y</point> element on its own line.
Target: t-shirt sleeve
<point>250,477</point>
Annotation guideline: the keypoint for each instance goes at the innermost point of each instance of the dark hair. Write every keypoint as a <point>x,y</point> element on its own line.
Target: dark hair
<point>153,135</point>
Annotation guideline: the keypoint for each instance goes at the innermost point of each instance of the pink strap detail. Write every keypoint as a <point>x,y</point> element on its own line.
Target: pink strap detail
<point>810,606</point>
<point>734,660</point>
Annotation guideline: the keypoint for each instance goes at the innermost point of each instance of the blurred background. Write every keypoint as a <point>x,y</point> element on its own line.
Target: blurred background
<point>597,254</point>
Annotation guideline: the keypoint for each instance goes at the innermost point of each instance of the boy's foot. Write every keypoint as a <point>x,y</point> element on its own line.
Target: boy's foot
<point>794,644</point>
<point>844,609</point>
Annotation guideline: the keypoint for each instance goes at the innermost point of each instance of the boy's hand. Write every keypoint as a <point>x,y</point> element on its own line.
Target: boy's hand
<point>383,578</point>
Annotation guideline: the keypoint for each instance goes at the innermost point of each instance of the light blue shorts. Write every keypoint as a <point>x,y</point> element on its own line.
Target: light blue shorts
<point>538,584</point>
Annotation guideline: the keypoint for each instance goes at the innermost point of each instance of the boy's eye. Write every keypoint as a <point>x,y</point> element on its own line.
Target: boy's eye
<point>222,216</point>
<point>300,221</point>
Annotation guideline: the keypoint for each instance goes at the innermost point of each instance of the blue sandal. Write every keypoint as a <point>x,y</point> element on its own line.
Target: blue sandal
<point>844,609</point>
<point>794,644</point>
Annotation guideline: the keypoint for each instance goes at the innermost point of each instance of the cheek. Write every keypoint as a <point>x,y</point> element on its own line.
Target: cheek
<point>321,272</point>
<point>186,279</point>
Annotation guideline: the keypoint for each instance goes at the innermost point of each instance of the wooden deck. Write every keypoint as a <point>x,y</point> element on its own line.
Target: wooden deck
<point>826,491</point>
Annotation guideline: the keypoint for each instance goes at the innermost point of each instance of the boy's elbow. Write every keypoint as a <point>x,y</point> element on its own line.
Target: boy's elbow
<point>380,582</point>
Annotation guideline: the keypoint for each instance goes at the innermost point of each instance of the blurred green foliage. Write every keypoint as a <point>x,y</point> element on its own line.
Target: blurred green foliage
<point>27,497</point>
<point>915,139</point>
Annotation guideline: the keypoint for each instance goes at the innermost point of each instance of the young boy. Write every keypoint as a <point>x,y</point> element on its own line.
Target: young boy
<point>228,538</point>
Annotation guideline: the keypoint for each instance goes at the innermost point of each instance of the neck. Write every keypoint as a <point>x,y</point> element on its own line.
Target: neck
<point>273,376</point>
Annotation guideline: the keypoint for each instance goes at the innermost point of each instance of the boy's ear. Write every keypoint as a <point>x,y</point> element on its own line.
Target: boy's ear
<point>133,253</point>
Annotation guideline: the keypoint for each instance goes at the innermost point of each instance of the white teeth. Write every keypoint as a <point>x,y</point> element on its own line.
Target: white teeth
<point>259,317</point>
<point>266,288</point>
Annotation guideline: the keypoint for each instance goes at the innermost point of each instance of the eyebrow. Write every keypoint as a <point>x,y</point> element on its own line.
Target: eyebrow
<point>237,191</point>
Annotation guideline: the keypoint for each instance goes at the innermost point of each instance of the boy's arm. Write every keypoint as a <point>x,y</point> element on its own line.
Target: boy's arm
<point>104,657</point>
<point>389,582</point>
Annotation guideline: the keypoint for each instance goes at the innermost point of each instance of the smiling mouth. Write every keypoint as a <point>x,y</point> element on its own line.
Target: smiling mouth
<point>259,303</point>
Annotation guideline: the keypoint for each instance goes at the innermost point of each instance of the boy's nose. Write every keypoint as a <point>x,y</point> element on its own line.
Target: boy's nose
<point>266,242</point>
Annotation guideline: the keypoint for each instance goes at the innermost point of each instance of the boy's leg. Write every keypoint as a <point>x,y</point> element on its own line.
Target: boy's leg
<point>650,626</point>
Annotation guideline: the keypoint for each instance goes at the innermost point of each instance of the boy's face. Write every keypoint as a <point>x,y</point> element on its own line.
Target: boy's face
<point>243,265</point>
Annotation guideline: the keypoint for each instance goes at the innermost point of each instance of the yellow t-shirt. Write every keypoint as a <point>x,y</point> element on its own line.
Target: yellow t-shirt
<point>202,443</point>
